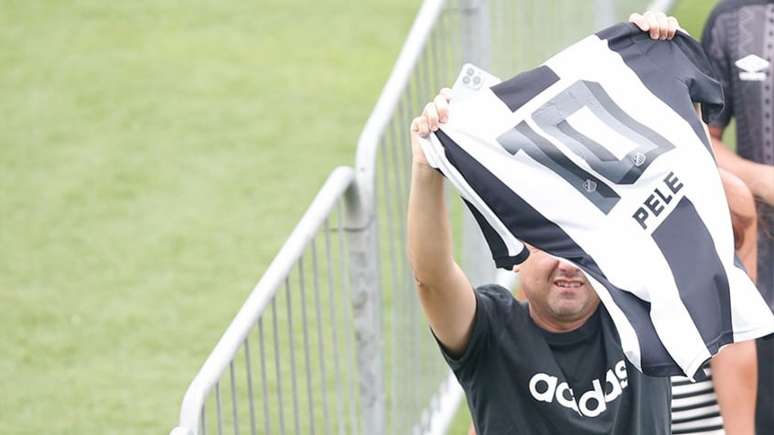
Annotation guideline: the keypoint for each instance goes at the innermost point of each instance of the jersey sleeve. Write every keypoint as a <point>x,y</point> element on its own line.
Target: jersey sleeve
<point>502,258</point>
<point>714,41</point>
<point>694,69</point>
<point>445,155</point>
<point>494,239</point>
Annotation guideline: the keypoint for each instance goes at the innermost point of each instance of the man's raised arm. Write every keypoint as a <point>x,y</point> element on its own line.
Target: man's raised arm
<point>445,293</point>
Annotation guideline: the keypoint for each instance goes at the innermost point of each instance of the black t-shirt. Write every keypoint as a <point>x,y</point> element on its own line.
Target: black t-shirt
<point>520,379</point>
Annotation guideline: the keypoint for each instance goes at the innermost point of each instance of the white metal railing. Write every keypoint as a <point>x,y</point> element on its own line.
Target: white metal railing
<point>356,356</point>
<point>236,336</point>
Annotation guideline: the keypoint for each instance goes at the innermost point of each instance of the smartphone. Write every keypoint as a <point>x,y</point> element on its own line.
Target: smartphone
<point>471,80</point>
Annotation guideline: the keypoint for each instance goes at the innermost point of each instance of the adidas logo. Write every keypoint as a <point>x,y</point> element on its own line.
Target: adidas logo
<point>752,67</point>
<point>547,388</point>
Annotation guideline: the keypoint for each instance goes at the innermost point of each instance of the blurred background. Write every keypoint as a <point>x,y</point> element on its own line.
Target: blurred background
<point>154,156</point>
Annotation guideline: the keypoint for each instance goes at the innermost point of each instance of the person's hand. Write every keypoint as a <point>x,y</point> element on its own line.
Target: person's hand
<point>657,24</point>
<point>435,113</point>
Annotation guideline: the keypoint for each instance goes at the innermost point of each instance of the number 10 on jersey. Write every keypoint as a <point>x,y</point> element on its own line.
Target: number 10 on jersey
<point>552,116</point>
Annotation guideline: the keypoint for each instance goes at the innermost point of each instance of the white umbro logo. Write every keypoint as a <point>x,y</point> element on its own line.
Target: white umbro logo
<point>753,67</point>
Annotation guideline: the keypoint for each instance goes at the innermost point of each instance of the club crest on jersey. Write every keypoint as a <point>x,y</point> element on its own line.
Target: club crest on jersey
<point>753,68</point>
<point>638,158</point>
<point>590,185</point>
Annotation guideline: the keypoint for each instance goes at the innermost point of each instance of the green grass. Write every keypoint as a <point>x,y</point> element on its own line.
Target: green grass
<point>155,155</point>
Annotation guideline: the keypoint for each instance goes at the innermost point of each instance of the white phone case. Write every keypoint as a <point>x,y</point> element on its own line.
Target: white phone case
<point>471,80</point>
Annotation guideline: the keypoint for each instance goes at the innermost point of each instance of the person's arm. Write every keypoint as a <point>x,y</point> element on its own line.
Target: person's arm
<point>734,369</point>
<point>445,293</point>
<point>735,378</point>
<point>744,220</point>
<point>758,177</point>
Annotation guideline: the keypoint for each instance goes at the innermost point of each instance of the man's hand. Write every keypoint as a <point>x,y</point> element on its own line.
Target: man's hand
<point>435,113</point>
<point>658,24</point>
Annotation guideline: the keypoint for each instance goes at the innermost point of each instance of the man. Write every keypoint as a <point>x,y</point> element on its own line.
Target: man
<point>724,404</point>
<point>551,367</point>
<point>739,41</point>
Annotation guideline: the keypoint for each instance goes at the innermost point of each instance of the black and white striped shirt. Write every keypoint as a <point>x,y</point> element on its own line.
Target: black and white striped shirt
<point>695,407</point>
<point>598,157</point>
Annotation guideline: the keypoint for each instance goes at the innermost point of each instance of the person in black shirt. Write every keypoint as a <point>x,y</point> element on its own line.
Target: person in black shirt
<point>551,366</point>
<point>554,365</point>
<point>738,38</point>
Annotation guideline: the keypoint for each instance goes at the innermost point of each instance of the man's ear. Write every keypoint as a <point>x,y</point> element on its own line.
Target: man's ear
<point>516,268</point>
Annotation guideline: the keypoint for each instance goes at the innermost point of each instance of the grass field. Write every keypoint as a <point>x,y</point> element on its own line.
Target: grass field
<point>155,155</point>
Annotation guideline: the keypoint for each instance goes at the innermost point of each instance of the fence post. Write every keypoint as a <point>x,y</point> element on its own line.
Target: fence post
<point>476,32</point>
<point>604,14</point>
<point>476,49</point>
<point>366,304</point>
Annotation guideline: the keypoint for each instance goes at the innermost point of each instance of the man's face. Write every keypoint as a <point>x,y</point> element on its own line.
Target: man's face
<point>558,290</point>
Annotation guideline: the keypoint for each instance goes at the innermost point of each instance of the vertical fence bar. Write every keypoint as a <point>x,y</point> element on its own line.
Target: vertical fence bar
<point>519,14</point>
<point>249,373</point>
<point>476,46</point>
<point>405,292</point>
<point>334,327</point>
<point>218,408</point>
<point>354,427</point>
<point>604,13</point>
<point>235,414</point>
<point>277,370</point>
<point>395,141</point>
<point>445,55</point>
<point>320,344</point>
<point>203,416</point>
<point>391,259</point>
<point>264,380</point>
<point>305,335</point>
<point>293,377</point>
<point>362,249</point>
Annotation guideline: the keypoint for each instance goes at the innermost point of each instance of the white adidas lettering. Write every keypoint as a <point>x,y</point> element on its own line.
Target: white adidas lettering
<point>546,388</point>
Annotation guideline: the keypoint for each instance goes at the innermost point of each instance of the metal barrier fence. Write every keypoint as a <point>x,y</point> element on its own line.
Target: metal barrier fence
<point>286,362</point>
<point>332,340</point>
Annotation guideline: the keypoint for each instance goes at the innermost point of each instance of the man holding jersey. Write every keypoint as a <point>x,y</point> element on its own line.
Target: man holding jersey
<point>553,366</point>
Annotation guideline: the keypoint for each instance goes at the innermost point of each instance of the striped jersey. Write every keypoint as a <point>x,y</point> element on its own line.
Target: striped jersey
<point>598,157</point>
<point>695,408</point>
